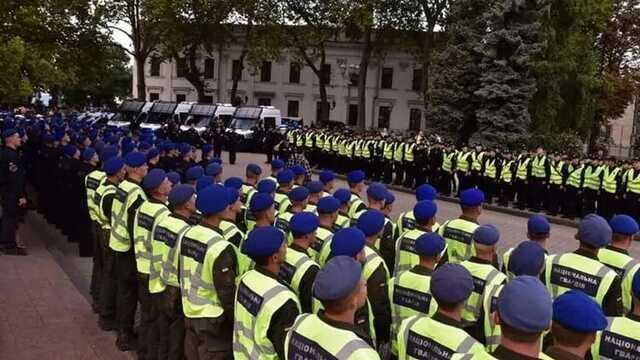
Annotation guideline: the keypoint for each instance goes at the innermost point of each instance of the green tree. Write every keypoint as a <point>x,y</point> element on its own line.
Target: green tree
<point>506,82</point>
<point>14,87</point>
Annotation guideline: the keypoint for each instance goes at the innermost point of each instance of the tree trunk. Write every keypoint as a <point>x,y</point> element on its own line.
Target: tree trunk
<point>236,78</point>
<point>193,75</point>
<point>140,81</point>
<point>426,67</point>
<point>594,133</point>
<point>322,84</point>
<point>362,80</point>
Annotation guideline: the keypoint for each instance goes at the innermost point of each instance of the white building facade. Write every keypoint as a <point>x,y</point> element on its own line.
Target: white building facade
<point>394,98</point>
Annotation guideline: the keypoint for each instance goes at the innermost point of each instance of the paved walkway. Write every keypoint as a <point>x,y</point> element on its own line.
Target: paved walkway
<point>42,313</point>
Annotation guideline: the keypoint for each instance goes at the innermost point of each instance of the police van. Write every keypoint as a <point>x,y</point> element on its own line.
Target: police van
<point>159,114</point>
<point>200,116</point>
<point>247,119</point>
<point>129,112</point>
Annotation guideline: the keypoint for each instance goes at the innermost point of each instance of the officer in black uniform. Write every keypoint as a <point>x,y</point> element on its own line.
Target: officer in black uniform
<point>12,181</point>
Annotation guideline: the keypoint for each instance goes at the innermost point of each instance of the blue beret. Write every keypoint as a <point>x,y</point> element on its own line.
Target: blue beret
<point>135,159</point>
<point>527,259</point>
<point>594,231</point>
<point>9,132</point>
<point>261,202</point>
<point>355,176</point>
<point>69,150</point>
<point>426,192</point>
<point>343,195</point>
<point>314,187</point>
<point>430,244</point>
<point>263,241</point>
<point>108,152</point>
<point>233,182</point>
<point>451,283</point>
<point>212,199</point>
<point>203,182</point>
<point>377,191</point>
<point>576,311</point>
<point>233,195</point>
<point>128,148</point>
<point>277,164</point>
<point>525,304</point>
<point>348,242</point>
<point>424,210</point>
<point>304,223</point>
<point>213,169</point>
<point>338,278</point>
<point>266,186</point>
<point>194,173</point>
<point>371,222</point>
<point>184,149</point>
<point>298,170</point>
<point>299,194</point>
<point>206,148</point>
<point>624,224</point>
<point>390,199</point>
<point>174,177</point>
<point>635,285</point>
<point>471,198</point>
<point>328,205</point>
<point>538,224</point>
<point>113,165</point>
<point>152,153</point>
<point>153,179</point>
<point>326,176</point>
<point>486,235</point>
<point>88,153</point>
<point>216,160</point>
<point>254,169</point>
<point>59,134</point>
<point>285,176</point>
<point>180,194</point>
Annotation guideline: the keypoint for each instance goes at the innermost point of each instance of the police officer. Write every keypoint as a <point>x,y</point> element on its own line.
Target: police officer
<point>285,183</point>
<point>252,176</point>
<point>526,259</point>
<point>385,244</point>
<point>12,191</point>
<point>539,178</point>
<point>621,337</point>
<point>538,230</point>
<point>343,220</point>
<point>523,311</point>
<point>428,337</point>
<point>327,178</point>
<point>582,270</point>
<point>505,180</point>
<point>277,166</point>
<point>94,178</point>
<point>298,269</point>
<point>406,220</point>
<point>265,307</point>
<point>298,200</point>
<point>315,193</point>
<point>576,319</point>
<point>261,211</point>
<point>611,180</point>
<point>573,189</point>
<point>129,196</point>
<point>616,255</point>
<point>328,208</point>
<point>458,232</point>
<point>355,179</point>
<point>150,212</point>
<point>208,266</point>
<point>84,209</point>
<point>481,267</point>
<point>409,292</point>
<point>105,193</point>
<point>342,291</point>
<point>424,214</point>
<point>164,278</point>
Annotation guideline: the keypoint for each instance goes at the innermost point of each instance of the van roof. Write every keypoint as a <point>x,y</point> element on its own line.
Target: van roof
<point>163,107</point>
<point>131,106</point>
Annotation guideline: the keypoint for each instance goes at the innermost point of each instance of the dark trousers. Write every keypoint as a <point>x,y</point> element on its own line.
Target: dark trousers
<point>127,292</point>
<point>108,284</point>
<point>217,151</point>
<point>589,201</point>
<point>536,194</point>
<point>10,216</point>
<point>148,316</point>
<point>445,182</point>
<point>399,168</point>
<point>410,170</point>
<point>98,262</point>
<point>207,339</point>
<point>464,181</point>
<point>522,193</point>
<point>607,205</point>
<point>570,203</point>
<point>554,194</point>
<point>388,171</point>
<point>232,157</point>
<point>632,205</point>
<point>506,193</point>
<point>169,328</point>
<point>489,189</point>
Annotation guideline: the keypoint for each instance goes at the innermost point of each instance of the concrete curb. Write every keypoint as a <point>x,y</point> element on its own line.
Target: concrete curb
<point>510,211</point>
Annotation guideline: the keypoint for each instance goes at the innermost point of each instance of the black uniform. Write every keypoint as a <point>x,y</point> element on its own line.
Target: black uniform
<point>12,181</point>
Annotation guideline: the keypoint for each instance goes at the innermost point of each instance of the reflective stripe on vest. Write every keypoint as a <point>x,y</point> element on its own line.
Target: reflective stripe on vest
<point>555,176</point>
<point>126,194</point>
<point>633,182</point>
<point>165,249</point>
<point>458,233</point>
<point>424,338</point>
<point>484,275</point>
<point>575,177</point>
<point>537,166</point>
<point>490,169</point>
<point>521,172</point>
<point>610,180</point>
<point>573,271</point>
<point>408,152</point>
<point>626,267</point>
<point>317,250</point>
<point>148,214</point>
<point>476,161</point>
<point>100,195</point>
<point>372,262</point>
<point>258,298</point>
<point>294,267</point>
<point>506,175</point>
<point>492,332</point>
<point>447,162</point>
<point>463,162</point>
<point>398,152</point>
<point>592,178</point>
<point>92,182</point>
<point>388,151</point>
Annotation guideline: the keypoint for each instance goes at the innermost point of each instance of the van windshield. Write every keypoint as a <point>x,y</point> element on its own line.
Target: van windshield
<point>197,120</point>
<point>243,124</point>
